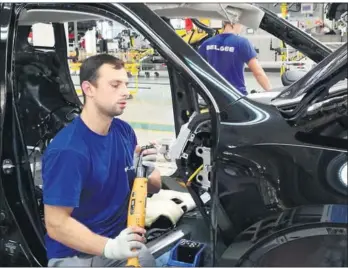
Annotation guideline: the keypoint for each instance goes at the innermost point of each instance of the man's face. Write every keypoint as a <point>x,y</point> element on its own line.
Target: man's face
<point>110,92</point>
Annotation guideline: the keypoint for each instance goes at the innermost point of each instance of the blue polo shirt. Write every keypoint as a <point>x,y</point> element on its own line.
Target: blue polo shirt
<point>91,173</point>
<point>228,53</point>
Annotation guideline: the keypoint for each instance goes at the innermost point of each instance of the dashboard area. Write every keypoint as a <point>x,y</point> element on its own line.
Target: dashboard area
<point>267,97</point>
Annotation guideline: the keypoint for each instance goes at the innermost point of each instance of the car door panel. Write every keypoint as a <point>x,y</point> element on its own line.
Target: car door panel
<point>21,236</point>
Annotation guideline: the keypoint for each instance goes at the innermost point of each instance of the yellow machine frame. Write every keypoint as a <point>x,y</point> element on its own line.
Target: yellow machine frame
<point>283,57</point>
<point>195,34</point>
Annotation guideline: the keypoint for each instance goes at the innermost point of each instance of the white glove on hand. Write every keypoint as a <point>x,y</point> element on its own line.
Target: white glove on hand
<point>149,160</point>
<point>120,248</point>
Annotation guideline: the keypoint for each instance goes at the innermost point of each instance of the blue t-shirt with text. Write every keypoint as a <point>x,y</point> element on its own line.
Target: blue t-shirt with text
<point>91,173</point>
<point>228,53</point>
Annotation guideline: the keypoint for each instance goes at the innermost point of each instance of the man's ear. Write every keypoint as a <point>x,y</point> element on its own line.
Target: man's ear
<point>87,88</point>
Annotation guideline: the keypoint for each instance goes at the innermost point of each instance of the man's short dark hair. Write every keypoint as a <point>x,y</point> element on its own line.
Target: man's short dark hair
<point>90,67</point>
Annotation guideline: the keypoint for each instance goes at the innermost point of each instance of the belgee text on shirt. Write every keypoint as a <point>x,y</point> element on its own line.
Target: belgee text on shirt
<point>220,48</point>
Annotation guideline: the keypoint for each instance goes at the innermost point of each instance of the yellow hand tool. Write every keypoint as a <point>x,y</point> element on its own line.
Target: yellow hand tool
<point>136,210</point>
<point>137,202</point>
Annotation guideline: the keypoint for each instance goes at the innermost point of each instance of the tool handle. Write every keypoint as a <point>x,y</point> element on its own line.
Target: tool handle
<point>137,210</point>
<point>137,203</point>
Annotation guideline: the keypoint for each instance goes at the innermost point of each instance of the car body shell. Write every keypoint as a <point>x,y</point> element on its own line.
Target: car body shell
<point>264,158</point>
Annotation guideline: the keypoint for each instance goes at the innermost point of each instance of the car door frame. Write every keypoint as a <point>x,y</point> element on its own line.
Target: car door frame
<point>111,12</point>
<point>24,241</point>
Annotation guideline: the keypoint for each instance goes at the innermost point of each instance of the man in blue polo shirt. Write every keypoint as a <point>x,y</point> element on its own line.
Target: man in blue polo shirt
<point>88,173</point>
<point>228,53</point>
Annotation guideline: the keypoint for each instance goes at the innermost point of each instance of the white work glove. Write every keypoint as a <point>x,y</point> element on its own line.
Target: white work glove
<point>149,160</point>
<point>120,248</point>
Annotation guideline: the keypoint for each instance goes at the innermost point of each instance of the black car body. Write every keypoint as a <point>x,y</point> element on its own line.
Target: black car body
<point>269,168</point>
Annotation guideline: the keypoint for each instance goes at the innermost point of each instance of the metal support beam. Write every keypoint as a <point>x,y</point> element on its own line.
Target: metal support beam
<point>75,34</point>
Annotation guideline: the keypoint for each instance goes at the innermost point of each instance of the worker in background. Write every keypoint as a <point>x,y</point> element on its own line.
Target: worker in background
<point>88,173</point>
<point>103,44</point>
<point>228,52</point>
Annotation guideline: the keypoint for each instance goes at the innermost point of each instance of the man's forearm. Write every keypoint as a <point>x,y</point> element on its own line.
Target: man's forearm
<point>264,82</point>
<point>75,235</point>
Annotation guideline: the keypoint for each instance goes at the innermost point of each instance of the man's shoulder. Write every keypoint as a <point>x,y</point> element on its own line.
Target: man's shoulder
<point>212,39</point>
<point>229,39</point>
<point>67,139</point>
<point>121,125</point>
<point>124,132</point>
<point>243,40</point>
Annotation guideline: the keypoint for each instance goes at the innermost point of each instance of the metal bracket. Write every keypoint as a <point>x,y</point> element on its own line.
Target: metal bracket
<point>203,175</point>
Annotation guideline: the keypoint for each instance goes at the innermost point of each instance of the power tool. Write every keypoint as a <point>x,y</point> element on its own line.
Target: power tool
<point>137,202</point>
